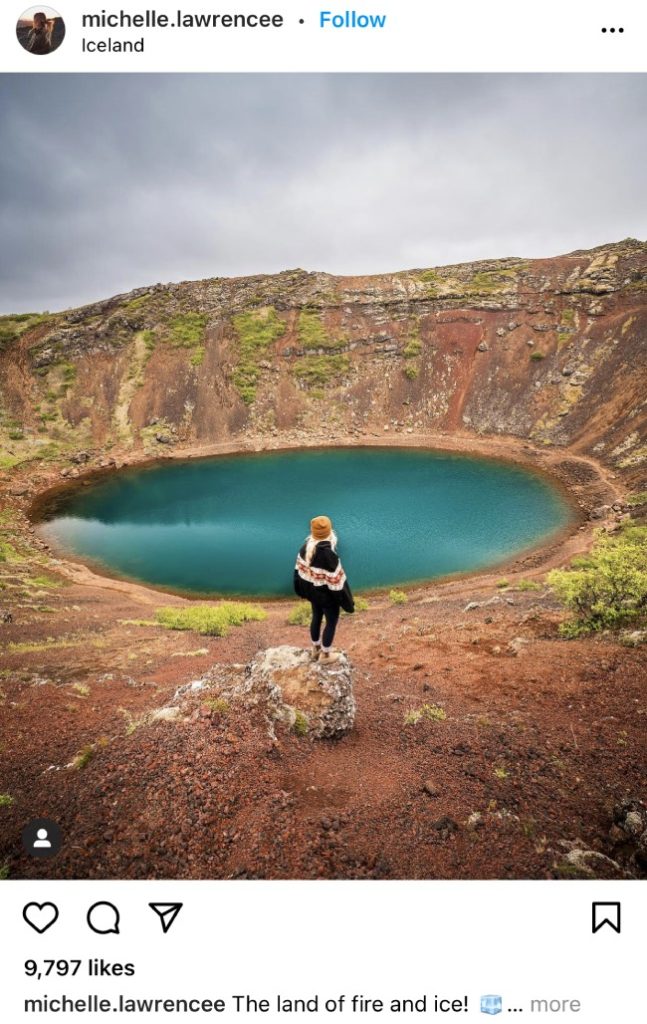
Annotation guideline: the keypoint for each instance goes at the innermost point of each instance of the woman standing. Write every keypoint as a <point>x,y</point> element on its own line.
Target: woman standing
<point>320,579</point>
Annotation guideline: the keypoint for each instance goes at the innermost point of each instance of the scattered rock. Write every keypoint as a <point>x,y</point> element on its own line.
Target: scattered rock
<point>81,457</point>
<point>165,715</point>
<point>471,606</point>
<point>311,696</point>
<point>517,645</point>
<point>5,616</point>
<point>600,512</point>
<point>430,789</point>
<point>483,347</point>
<point>445,826</point>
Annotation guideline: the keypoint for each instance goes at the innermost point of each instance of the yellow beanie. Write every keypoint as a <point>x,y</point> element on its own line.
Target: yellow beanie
<point>320,527</point>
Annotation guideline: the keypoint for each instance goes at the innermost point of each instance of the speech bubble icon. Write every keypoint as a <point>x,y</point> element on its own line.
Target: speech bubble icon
<point>103,918</point>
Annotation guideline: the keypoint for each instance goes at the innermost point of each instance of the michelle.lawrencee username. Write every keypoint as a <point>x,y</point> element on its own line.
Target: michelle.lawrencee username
<point>181,19</point>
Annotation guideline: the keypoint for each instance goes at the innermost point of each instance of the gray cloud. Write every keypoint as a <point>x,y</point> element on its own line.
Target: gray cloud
<point>108,182</point>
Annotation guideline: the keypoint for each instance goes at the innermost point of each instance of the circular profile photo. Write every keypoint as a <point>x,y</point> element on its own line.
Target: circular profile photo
<point>40,29</point>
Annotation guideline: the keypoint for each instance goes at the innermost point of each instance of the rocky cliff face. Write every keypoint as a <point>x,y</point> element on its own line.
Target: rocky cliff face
<point>551,350</point>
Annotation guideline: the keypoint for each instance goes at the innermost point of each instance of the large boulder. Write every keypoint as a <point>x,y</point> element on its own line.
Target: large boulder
<point>311,696</point>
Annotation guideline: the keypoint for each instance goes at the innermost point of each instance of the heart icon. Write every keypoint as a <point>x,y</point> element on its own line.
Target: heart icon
<point>40,916</point>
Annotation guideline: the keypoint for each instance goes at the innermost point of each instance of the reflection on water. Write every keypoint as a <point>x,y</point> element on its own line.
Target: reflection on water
<point>233,524</point>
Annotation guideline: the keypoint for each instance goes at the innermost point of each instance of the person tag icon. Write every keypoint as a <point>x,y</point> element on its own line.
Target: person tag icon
<point>41,842</point>
<point>42,838</point>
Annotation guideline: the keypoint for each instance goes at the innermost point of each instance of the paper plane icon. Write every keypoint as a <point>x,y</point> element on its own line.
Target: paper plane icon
<point>167,912</point>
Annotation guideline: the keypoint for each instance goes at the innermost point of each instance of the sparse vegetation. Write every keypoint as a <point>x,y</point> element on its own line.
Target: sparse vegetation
<point>496,280</point>
<point>11,327</point>
<point>412,348</point>
<point>398,597</point>
<point>301,725</point>
<point>319,371</point>
<point>187,330</point>
<point>313,335</point>
<point>4,871</point>
<point>300,615</point>
<point>210,620</point>
<point>502,583</point>
<point>256,331</point>
<point>217,705</point>
<point>46,581</point>
<point>197,358</point>
<point>524,585</point>
<point>6,800</point>
<point>536,355</point>
<point>639,498</point>
<point>83,757</point>
<point>607,588</point>
<point>411,371</point>
<point>427,712</point>
<point>500,773</point>
<point>8,552</point>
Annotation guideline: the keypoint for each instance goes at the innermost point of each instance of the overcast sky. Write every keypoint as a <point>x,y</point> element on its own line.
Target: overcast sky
<point>110,182</point>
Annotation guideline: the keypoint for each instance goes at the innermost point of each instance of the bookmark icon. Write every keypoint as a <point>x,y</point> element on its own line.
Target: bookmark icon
<point>167,912</point>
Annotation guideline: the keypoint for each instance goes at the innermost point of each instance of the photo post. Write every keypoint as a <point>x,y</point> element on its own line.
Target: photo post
<point>323,528</point>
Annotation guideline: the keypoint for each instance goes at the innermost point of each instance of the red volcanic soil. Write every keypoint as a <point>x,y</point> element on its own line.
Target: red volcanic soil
<point>543,739</point>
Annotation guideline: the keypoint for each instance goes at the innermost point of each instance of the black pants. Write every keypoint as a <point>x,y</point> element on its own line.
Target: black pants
<point>331,614</point>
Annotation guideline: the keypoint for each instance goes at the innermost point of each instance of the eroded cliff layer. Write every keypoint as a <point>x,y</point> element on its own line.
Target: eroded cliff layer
<point>552,350</point>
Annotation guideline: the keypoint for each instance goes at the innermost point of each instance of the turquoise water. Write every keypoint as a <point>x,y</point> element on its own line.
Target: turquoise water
<point>233,524</point>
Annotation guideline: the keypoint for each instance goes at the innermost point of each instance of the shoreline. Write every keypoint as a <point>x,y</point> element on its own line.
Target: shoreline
<point>543,555</point>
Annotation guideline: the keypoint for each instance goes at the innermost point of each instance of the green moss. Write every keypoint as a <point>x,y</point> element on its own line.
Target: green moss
<point>136,304</point>
<point>411,371</point>
<point>6,800</point>
<point>217,705</point>
<point>524,585</point>
<point>412,348</point>
<point>489,281</point>
<point>149,339</point>
<point>210,620</point>
<point>187,330</point>
<point>255,331</point>
<point>313,335</point>
<point>320,371</point>
<point>433,282</point>
<point>536,356</point>
<point>197,358</point>
<point>398,597</point>
<point>427,712</point>
<point>639,498</point>
<point>301,725</point>
<point>502,583</point>
<point>429,277</point>
<point>12,327</point>
<point>45,581</point>
<point>8,552</point>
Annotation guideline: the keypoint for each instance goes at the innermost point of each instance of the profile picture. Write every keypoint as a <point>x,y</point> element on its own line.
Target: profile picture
<point>40,30</point>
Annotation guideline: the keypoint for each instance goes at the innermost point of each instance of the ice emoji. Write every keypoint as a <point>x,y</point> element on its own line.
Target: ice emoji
<point>491,1004</point>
